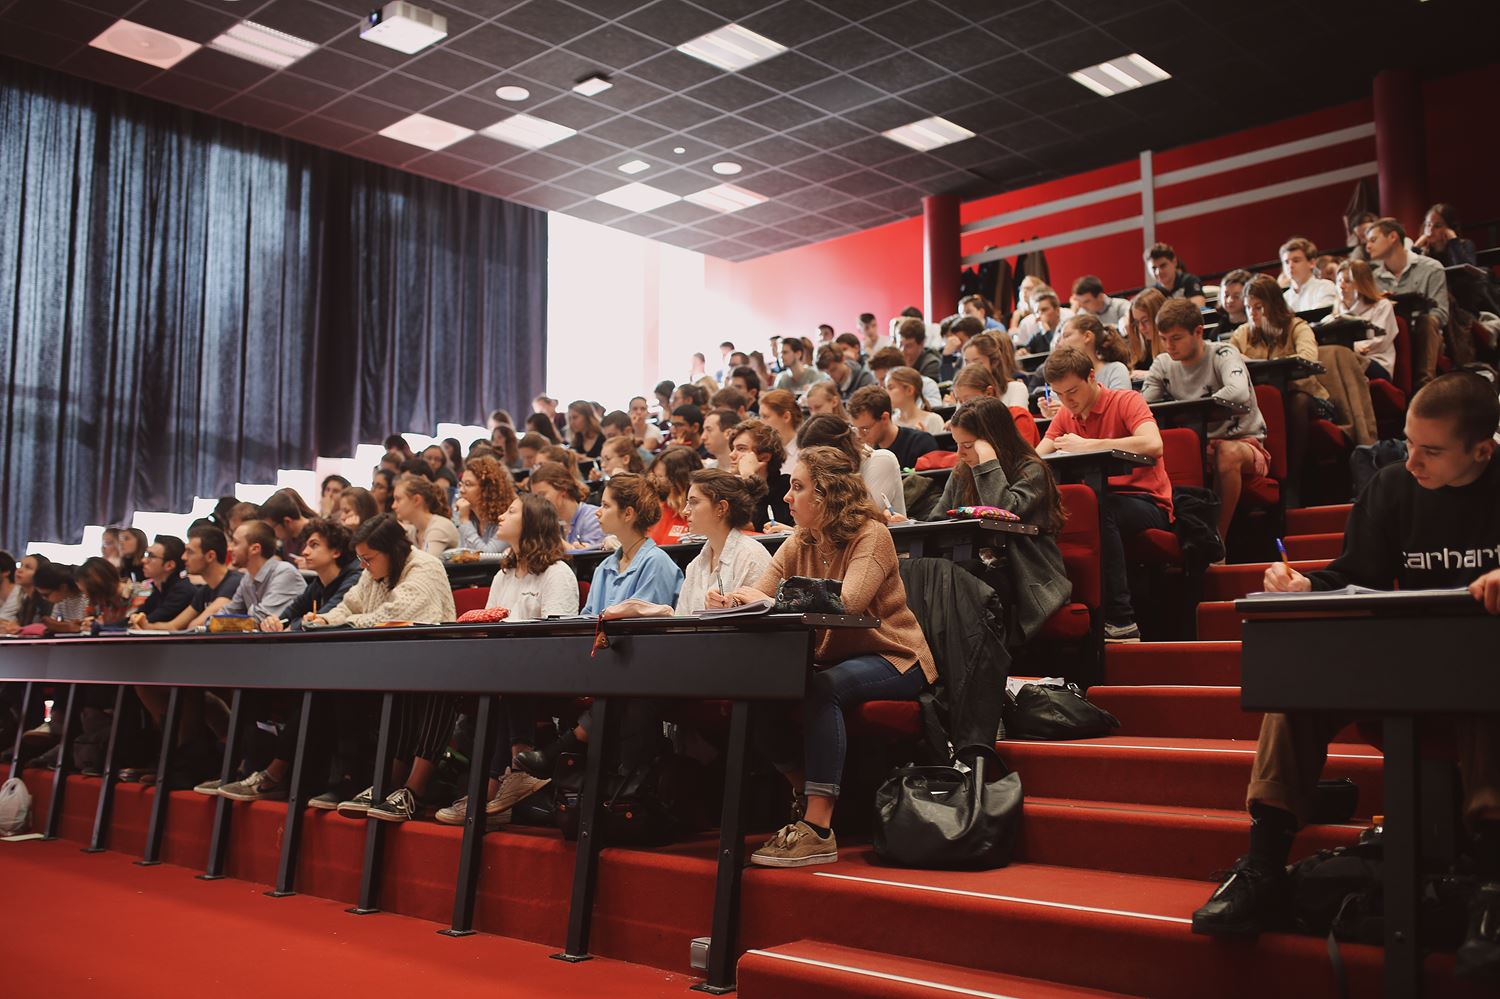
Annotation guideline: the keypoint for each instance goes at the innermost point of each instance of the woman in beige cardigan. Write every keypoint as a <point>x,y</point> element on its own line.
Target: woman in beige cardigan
<point>840,535</point>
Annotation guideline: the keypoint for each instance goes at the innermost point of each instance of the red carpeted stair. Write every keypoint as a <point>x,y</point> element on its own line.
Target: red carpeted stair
<point>1212,664</point>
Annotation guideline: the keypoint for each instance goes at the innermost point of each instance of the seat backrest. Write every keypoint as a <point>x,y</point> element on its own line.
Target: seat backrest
<point>1182,453</point>
<point>1402,374</point>
<point>936,459</point>
<point>1079,542</point>
<point>469,598</point>
<point>1026,425</point>
<point>1268,397</point>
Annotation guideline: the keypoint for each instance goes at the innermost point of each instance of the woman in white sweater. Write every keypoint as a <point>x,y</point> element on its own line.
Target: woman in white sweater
<point>879,468</point>
<point>422,506</point>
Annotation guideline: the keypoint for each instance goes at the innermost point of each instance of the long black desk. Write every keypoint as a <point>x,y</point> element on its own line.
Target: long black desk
<point>743,660</point>
<point>1341,331</point>
<point>1367,656</point>
<point>1280,372</point>
<point>1032,362</point>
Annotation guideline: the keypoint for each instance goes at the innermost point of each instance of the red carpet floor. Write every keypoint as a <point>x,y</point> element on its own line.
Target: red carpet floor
<point>96,925</point>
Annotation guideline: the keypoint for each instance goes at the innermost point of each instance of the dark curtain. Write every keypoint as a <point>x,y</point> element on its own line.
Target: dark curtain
<point>186,302</point>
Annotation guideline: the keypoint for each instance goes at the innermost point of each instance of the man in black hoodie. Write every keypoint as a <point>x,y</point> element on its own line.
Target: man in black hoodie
<point>1431,523</point>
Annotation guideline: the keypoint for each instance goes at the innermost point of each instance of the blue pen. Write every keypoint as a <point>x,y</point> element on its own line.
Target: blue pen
<point>1048,390</point>
<point>1282,548</point>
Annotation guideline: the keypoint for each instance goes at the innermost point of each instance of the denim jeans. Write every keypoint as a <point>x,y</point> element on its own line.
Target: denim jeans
<point>823,741</point>
<point>1125,514</point>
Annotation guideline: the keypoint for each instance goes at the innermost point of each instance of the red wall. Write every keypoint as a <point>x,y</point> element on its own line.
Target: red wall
<point>880,270</point>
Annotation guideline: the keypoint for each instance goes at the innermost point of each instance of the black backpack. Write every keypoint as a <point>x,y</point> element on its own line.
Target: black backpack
<point>1195,522</point>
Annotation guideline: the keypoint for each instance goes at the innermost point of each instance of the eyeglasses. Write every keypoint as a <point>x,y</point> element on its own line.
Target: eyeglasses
<point>365,560</point>
<point>149,555</point>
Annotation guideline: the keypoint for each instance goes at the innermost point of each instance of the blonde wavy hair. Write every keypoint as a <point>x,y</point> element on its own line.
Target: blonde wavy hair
<point>837,484</point>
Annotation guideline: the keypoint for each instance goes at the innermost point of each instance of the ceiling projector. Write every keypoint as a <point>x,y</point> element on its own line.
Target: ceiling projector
<point>404,27</point>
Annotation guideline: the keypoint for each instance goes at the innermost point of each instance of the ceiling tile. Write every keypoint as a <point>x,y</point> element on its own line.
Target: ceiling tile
<point>773,183</point>
<point>498,183</point>
<point>886,114</point>
<point>672,22</point>
<point>915,167</point>
<point>943,97</point>
<point>443,166</point>
<point>615,47</point>
<point>899,72</point>
<point>793,23</point>
<point>678,113</point>
<point>556,68</point>
<point>598,211</point>
<point>730,93</point>
<point>682,182</point>
<point>470,112</point>
<point>552,199</point>
<point>681,212</point>
<point>404,92</point>
<point>333,68</point>
<point>849,48</point>
<point>185,20</point>
<point>840,93</point>
<point>312,21</point>
<point>550,20</point>
<point>914,23</point>
<point>873,151</point>
<point>855,212</point>
<point>293,92</point>
<point>692,149</point>
<point>594,182</point>
<point>674,71</point>
<point>361,111</point>
<point>787,72</point>
<point>186,91</point>
<point>1039,23</point>
<point>323,132</point>
<point>777,149</point>
<point>627,131</point>
<point>539,166</point>
<point>861,184</point>
<point>450,69</point>
<point>728,131</point>
<point>573,111</point>
<point>582,149</point>
<point>780,113</point>
<point>815,197</point>
<point>495,45</point>
<point>829,133</point>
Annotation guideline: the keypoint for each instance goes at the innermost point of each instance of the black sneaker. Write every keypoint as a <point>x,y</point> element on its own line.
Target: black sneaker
<point>535,763</point>
<point>399,806</point>
<point>1246,902</point>
<point>1479,957</point>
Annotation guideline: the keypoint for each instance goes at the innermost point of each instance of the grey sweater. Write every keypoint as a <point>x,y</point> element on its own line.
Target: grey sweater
<point>1220,375</point>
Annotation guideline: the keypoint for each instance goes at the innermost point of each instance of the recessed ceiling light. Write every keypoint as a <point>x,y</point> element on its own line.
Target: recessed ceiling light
<point>727,169</point>
<point>725,198</point>
<point>591,85</point>
<point>929,133</point>
<point>679,150</point>
<point>512,93</point>
<point>527,132</point>
<point>634,166</point>
<point>1119,75</point>
<point>262,45</point>
<point>429,133</point>
<point>638,197</point>
<point>143,44</point>
<point>731,48</point>
<point>404,27</point>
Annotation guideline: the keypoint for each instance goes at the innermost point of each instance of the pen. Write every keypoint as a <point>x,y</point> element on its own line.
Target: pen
<point>1048,390</point>
<point>1282,548</point>
<point>887,501</point>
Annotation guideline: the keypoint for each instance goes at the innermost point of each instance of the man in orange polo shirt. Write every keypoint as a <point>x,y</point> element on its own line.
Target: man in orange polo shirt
<point>1094,418</point>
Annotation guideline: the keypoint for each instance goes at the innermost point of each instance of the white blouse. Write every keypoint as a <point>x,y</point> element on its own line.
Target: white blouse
<point>1381,315</point>
<point>930,422</point>
<point>532,597</point>
<point>742,562</point>
<point>882,474</point>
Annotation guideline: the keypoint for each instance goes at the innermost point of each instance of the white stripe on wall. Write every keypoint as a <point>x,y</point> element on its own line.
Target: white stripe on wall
<point>1295,148</point>
<point>1268,192</point>
<point>1061,239</point>
<point>1052,207</point>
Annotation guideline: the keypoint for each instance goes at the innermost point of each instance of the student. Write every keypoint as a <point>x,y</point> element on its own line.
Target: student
<point>840,535</point>
<point>422,505</point>
<point>1231,313</point>
<point>974,381</point>
<point>454,450</point>
<point>268,585</point>
<point>978,308</point>
<point>1401,271</point>
<point>647,432</point>
<point>99,582</point>
<point>529,450</point>
<point>1406,525</point>
<point>869,334</point>
<point>997,354</point>
<point>716,427</point>
<point>205,557</point>
<point>356,506</point>
<point>796,374</point>
<point>58,585</point>
<point>400,583</point>
<point>11,595</point>
<point>328,495</point>
<point>731,399</point>
<point>955,337</point>
<point>133,545</point>
<point>1088,291</point>
<point>171,594</point>
<point>914,350</point>
<point>780,411</point>
<point>288,517</point>
<point>1440,238</point>
<point>1095,418</point>
<point>1045,322</point>
<point>878,468</point>
<point>1360,297</point>
<point>744,379</point>
<point>328,548</point>
<point>1306,290</point>
<point>585,436</point>
<point>870,412</point>
<point>33,606</point>
<point>546,407</point>
<point>621,454</point>
<point>109,546</point>
<point>1171,280</point>
<point>904,386</point>
<point>437,460</point>
<point>687,429</point>
<point>542,425</point>
<point>1142,337</point>
<point>1105,349</point>
<point>578,520</point>
<point>1029,284</point>
<point>1192,369</point>
<point>505,443</point>
<point>889,359</point>
<point>850,345</point>
<point>756,452</point>
<point>560,455</point>
<point>484,492</point>
<point>671,474</point>
<point>847,376</point>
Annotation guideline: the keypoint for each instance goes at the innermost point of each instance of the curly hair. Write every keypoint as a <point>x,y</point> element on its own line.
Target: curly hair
<point>837,484</point>
<point>763,438</point>
<point>633,492</point>
<point>541,542</point>
<point>434,496</point>
<point>496,488</point>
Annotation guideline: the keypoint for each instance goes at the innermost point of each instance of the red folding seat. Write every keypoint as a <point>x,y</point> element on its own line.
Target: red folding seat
<point>1026,425</point>
<point>1079,542</point>
<point>1182,454</point>
<point>470,598</point>
<point>1265,490</point>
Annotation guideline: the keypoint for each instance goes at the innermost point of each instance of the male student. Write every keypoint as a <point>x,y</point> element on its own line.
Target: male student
<point>328,550</point>
<point>268,585</point>
<point>745,379</point>
<point>848,375</point>
<point>206,556</point>
<point>1308,290</point>
<point>1192,369</point>
<point>913,334</point>
<point>716,427</point>
<point>1046,319</point>
<point>687,429</point>
<point>887,359</point>
<point>1088,291</point>
<point>1094,418</point>
<point>1171,280</point>
<point>870,412</point>
<point>869,334</point>
<point>796,374</point>
<point>1432,522</point>
<point>1402,271</point>
<point>170,593</point>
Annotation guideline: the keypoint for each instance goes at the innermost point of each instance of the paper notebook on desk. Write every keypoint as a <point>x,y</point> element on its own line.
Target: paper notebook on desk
<point>1357,591</point>
<point>748,609</point>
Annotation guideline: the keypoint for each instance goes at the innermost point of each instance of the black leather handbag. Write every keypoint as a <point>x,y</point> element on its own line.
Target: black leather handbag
<point>806,595</point>
<point>1047,711</point>
<point>960,817</point>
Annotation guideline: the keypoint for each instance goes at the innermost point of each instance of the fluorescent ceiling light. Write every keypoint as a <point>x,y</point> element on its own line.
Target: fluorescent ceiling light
<point>726,168</point>
<point>725,198</point>
<point>1119,75</point>
<point>591,85</point>
<point>929,133</point>
<point>527,132</point>
<point>634,166</point>
<point>262,45</point>
<point>731,48</point>
<point>429,133</point>
<point>143,44</point>
<point>404,27</point>
<point>638,197</point>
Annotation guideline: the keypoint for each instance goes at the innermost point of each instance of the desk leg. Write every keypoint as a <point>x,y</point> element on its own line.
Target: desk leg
<point>723,947</point>
<point>158,824</point>
<point>472,850</point>
<point>590,829</point>
<point>369,881</point>
<point>60,775</point>
<point>291,839</point>
<point>1403,962</point>
<point>218,841</point>
<point>15,756</point>
<point>107,779</point>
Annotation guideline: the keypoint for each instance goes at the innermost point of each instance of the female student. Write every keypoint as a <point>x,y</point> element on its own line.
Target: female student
<point>585,436</point>
<point>823,399</point>
<point>422,505</point>
<point>399,583</point>
<point>560,487</point>
<point>781,412</point>
<point>757,454</point>
<point>878,468</point>
<point>133,545</point>
<point>356,506</point>
<point>904,386</point>
<point>328,497</point>
<point>100,582</point>
<point>485,491</point>
<point>503,439</point>
<point>996,467</point>
<point>1142,339</point>
<point>1359,296</point>
<point>383,488</point>
<point>621,454</point>
<point>1103,346</point>
<point>840,535</point>
<point>997,354</point>
<point>671,474</point>
<point>648,433</point>
<point>541,423</point>
<point>974,381</point>
<point>32,606</point>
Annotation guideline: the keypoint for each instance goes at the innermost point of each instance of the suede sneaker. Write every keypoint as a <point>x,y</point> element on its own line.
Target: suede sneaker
<point>515,787</point>
<point>1246,902</point>
<point>797,845</point>
<point>1117,633</point>
<point>209,788</point>
<point>457,814</point>
<point>399,806</point>
<point>357,806</point>
<point>259,786</point>
<point>328,801</point>
<point>1479,957</point>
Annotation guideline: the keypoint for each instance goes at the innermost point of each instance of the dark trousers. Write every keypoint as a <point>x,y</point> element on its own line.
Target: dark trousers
<point>1124,515</point>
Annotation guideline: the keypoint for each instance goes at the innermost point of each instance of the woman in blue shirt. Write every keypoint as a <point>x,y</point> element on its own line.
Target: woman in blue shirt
<point>566,492</point>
